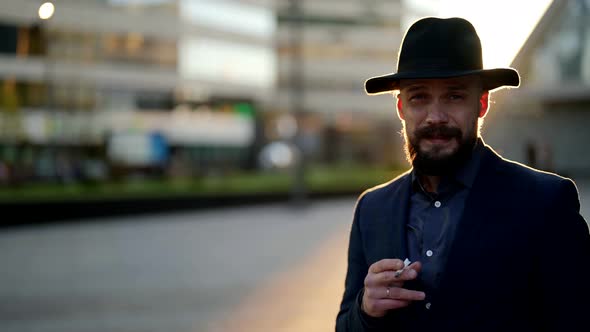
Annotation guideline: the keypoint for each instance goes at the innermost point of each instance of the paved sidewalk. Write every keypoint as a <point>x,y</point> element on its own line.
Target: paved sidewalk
<point>203,271</point>
<point>305,297</point>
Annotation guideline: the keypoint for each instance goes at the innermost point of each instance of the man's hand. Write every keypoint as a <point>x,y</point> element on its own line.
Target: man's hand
<point>383,290</point>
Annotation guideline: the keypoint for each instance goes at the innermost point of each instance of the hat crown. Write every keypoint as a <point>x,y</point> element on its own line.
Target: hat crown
<point>435,48</point>
<point>444,44</point>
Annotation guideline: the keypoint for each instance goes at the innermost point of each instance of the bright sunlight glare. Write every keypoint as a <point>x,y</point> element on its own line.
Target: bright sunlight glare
<point>46,11</point>
<point>503,25</point>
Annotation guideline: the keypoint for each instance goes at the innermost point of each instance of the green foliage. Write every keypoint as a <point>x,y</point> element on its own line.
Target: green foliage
<point>349,179</point>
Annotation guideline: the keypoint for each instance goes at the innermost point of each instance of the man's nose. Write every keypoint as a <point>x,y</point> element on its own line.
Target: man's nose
<point>437,114</point>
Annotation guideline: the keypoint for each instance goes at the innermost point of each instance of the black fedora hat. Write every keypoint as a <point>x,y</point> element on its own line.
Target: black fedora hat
<point>441,48</point>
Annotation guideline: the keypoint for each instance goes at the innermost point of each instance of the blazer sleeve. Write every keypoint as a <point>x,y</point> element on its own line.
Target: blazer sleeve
<point>564,264</point>
<point>351,317</point>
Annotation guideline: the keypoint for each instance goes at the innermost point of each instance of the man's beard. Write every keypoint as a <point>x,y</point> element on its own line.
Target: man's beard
<point>428,163</point>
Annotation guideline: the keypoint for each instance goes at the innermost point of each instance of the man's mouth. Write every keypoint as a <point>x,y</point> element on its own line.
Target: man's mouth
<point>438,139</point>
<point>441,135</point>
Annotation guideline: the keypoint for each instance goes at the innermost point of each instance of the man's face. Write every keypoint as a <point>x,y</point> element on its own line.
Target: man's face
<point>440,120</point>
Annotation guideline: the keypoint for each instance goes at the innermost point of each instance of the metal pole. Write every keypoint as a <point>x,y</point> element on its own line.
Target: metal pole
<point>45,13</point>
<point>49,102</point>
<point>298,190</point>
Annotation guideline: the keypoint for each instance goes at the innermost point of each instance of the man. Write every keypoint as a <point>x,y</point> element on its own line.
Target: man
<point>493,245</point>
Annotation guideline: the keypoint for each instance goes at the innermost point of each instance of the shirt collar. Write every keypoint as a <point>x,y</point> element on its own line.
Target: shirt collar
<point>465,175</point>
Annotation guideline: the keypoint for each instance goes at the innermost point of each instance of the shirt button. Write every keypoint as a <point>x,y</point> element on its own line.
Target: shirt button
<point>429,253</point>
<point>428,305</point>
<point>437,204</point>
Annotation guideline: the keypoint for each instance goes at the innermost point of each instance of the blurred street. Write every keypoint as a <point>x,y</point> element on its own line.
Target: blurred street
<point>271,268</point>
<point>265,268</point>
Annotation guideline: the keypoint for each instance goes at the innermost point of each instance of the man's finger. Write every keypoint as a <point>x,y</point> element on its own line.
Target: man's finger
<point>398,293</point>
<point>391,277</point>
<point>380,291</point>
<point>386,304</point>
<point>386,264</point>
<point>416,266</point>
<point>385,278</point>
<point>409,273</point>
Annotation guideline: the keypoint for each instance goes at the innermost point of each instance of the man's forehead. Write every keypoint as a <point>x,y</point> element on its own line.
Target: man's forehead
<point>455,82</point>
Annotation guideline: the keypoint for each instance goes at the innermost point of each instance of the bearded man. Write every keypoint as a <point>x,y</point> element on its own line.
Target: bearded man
<point>465,240</point>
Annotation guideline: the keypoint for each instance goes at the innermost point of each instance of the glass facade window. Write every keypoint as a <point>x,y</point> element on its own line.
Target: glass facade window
<point>130,48</point>
<point>168,6</point>
<point>564,55</point>
<point>244,18</point>
<point>221,61</point>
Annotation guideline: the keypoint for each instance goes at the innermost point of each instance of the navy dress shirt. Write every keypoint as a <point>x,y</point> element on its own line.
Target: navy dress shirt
<point>433,218</point>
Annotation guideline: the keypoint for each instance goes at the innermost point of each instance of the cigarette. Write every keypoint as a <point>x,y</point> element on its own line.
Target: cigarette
<point>400,271</point>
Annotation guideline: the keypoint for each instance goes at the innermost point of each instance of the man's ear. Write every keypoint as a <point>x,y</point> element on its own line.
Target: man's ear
<point>484,104</point>
<point>400,112</point>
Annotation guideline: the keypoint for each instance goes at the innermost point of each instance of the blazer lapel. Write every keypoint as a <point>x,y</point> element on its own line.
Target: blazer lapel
<point>397,219</point>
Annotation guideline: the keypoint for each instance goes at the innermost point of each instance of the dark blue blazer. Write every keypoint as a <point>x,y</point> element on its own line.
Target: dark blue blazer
<point>520,260</point>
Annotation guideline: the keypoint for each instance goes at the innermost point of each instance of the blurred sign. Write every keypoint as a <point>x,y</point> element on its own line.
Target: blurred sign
<point>137,149</point>
<point>179,127</point>
<point>210,128</point>
<point>187,127</point>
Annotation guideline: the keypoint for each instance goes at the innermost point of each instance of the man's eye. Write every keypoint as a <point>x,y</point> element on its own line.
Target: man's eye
<point>456,97</point>
<point>417,97</point>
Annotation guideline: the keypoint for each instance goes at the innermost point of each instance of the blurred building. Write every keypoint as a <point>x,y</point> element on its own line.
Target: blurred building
<point>544,123</point>
<point>91,89</point>
<point>336,45</point>
<point>135,83</point>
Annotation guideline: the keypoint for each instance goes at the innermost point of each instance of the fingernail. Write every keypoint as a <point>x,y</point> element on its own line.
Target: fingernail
<point>412,274</point>
<point>422,296</point>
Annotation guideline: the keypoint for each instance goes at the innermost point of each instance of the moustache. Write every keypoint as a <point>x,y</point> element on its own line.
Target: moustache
<point>438,132</point>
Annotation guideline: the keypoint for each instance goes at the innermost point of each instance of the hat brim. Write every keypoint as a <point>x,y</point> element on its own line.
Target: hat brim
<point>492,79</point>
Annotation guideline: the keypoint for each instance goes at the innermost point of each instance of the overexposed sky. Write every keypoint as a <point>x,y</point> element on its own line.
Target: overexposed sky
<point>503,25</point>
